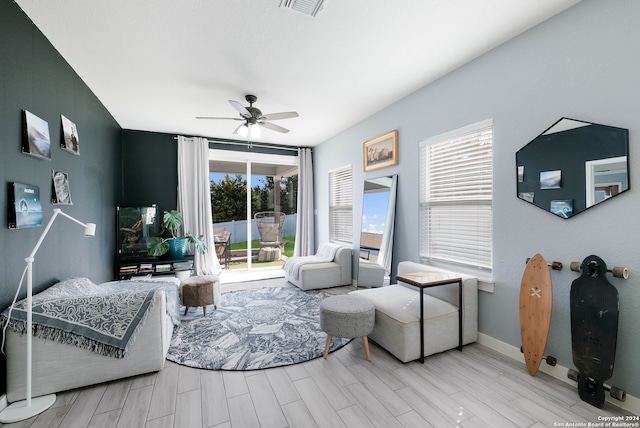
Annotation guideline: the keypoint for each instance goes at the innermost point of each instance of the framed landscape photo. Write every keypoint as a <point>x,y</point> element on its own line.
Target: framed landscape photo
<point>381,152</point>
<point>60,191</point>
<point>36,140</point>
<point>70,140</point>
<point>25,207</point>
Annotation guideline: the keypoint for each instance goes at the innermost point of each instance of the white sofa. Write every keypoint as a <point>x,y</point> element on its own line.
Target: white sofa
<point>329,267</point>
<point>397,325</point>
<point>58,367</point>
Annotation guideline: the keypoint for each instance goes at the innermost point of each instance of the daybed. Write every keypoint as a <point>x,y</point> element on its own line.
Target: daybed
<point>60,366</point>
<point>329,267</point>
<point>397,326</point>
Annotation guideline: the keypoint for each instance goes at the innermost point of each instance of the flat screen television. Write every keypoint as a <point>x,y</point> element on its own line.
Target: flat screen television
<point>136,227</point>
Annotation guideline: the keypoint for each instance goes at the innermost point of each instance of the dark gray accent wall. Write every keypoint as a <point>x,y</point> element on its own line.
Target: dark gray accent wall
<point>33,76</point>
<point>150,169</point>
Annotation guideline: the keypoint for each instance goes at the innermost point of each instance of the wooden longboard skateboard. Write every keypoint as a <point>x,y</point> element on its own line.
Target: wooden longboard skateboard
<point>536,299</point>
<point>594,329</point>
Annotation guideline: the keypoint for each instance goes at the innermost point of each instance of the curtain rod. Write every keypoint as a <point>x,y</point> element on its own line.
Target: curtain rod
<point>248,144</point>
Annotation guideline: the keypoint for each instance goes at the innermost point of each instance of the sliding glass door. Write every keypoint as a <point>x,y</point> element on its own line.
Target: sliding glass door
<point>250,193</point>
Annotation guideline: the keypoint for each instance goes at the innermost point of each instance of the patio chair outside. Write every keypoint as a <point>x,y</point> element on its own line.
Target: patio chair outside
<point>270,227</point>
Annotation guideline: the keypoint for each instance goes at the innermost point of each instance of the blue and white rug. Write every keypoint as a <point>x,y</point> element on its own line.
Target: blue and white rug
<point>253,329</point>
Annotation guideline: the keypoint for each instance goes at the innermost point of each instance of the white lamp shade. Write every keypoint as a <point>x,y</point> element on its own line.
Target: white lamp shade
<point>255,131</point>
<point>242,131</point>
<point>90,229</point>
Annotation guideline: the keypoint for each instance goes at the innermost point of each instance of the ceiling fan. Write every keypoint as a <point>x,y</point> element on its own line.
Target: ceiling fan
<point>254,119</point>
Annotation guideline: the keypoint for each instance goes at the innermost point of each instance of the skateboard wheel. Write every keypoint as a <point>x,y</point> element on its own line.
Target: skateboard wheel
<point>573,374</point>
<point>617,393</point>
<point>556,265</point>
<point>576,266</point>
<point>620,272</point>
<point>551,360</point>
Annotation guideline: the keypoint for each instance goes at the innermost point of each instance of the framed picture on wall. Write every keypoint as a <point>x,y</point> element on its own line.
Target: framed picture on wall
<point>70,140</point>
<point>60,191</point>
<point>562,207</point>
<point>381,152</point>
<point>25,207</point>
<point>36,140</point>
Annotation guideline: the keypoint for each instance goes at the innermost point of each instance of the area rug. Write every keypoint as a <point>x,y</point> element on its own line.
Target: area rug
<point>253,329</point>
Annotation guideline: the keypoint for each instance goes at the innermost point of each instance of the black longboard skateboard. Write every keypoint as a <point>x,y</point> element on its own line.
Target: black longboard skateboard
<point>594,330</point>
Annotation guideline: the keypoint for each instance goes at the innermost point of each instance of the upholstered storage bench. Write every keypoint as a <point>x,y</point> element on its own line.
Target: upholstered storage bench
<point>397,326</point>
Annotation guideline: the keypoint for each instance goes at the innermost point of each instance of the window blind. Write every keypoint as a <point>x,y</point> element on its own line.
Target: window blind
<point>341,205</point>
<point>456,191</point>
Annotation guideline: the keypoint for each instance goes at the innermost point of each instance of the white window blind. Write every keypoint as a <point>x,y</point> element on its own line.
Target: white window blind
<point>456,190</point>
<point>341,205</point>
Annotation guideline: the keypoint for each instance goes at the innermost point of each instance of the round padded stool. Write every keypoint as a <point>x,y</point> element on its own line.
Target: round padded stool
<point>347,316</point>
<point>199,291</point>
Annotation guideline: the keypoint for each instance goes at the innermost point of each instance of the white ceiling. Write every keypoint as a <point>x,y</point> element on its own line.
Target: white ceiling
<point>157,64</point>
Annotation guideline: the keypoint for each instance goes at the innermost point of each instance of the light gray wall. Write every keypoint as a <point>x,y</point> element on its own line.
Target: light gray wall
<point>582,64</point>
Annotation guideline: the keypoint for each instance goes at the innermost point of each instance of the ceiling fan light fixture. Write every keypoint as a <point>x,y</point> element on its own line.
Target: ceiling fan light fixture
<point>254,131</point>
<point>242,130</point>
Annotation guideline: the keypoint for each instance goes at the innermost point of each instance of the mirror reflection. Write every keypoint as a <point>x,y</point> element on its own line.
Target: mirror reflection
<point>376,235</point>
<point>573,166</point>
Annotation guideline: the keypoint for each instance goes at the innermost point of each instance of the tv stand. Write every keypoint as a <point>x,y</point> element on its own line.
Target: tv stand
<point>128,268</point>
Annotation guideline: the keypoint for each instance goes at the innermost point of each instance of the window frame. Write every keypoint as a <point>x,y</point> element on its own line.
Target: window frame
<point>470,246</point>
<point>341,205</point>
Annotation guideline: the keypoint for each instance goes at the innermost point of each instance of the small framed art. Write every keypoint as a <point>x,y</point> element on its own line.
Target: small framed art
<point>36,140</point>
<point>25,208</point>
<point>60,191</point>
<point>70,140</point>
<point>381,152</point>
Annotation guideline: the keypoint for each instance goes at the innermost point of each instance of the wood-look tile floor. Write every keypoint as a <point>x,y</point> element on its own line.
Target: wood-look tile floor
<point>474,388</point>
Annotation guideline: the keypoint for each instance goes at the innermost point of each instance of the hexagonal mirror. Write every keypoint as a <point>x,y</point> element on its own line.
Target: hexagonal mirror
<point>572,166</point>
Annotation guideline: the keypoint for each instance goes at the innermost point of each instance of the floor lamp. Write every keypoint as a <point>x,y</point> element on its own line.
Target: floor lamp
<point>25,409</point>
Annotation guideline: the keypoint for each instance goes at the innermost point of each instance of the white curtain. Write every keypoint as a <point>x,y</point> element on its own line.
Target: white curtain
<point>305,229</point>
<point>194,199</point>
<point>386,247</point>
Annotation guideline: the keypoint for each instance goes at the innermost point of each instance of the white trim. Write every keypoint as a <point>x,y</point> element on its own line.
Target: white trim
<point>3,402</point>
<point>559,372</point>
<point>456,132</point>
<point>235,156</point>
<point>340,168</point>
<point>590,175</point>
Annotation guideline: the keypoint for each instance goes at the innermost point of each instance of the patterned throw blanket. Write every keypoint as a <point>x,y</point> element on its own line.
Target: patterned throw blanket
<point>100,318</point>
<point>326,253</point>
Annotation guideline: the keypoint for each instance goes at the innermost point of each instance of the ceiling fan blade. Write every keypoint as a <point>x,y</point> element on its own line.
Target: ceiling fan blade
<point>225,118</point>
<point>243,111</point>
<point>273,127</point>
<point>278,116</point>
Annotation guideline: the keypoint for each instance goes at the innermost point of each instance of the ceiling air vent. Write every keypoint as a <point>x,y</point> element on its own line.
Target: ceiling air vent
<point>308,7</point>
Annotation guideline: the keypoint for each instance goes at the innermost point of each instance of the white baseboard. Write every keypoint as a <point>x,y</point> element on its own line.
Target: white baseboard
<point>3,402</point>
<point>631,403</point>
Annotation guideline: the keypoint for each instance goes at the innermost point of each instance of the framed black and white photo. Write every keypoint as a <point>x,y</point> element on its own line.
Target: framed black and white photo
<point>36,140</point>
<point>60,191</point>
<point>551,179</point>
<point>70,140</point>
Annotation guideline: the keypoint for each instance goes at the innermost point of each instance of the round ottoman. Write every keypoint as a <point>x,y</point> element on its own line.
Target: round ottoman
<point>199,291</point>
<point>347,316</point>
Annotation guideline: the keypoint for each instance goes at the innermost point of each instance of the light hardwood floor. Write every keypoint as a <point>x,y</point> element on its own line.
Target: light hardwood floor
<point>473,388</point>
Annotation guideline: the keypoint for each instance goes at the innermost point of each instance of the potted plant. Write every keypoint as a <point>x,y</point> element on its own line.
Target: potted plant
<point>175,245</point>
